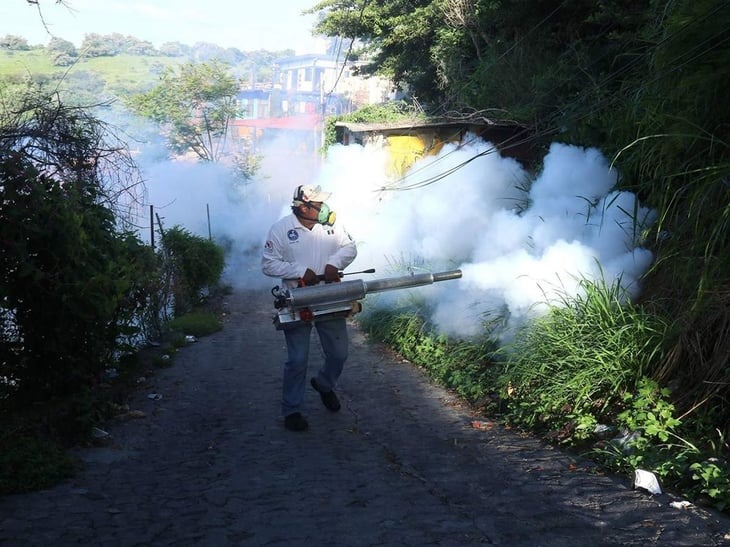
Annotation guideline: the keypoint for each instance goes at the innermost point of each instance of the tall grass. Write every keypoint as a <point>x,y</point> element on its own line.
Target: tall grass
<point>575,363</point>
<point>686,175</point>
<point>673,147</point>
<point>582,370</point>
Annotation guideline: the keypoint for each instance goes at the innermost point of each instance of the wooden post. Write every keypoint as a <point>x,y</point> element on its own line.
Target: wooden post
<point>207,208</point>
<point>152,227</point>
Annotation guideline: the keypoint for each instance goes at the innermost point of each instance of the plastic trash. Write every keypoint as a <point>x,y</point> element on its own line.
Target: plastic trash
<point>99,433</point>
<point>647,481</point>
<point>625,441</point>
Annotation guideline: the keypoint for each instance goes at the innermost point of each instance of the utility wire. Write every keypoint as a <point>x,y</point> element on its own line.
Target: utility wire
<point>349,51</point>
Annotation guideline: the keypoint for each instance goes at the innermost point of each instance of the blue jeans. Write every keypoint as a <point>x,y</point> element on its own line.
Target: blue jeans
<point>333,337</point>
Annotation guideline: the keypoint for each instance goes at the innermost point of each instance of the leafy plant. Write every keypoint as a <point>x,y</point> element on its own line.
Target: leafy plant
<point>198,323</point>
<point>390,112</point>
<point>713,481</point>
<point>649,411</point>
<point>573,364</point>
<point>651,440</point>
<point>68,276</point>
<point>197,265</point>
<point>194,105</point>
<point>30,463</point>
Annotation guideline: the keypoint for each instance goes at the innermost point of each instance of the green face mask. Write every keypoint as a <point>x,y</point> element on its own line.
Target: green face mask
<point>325,215</point>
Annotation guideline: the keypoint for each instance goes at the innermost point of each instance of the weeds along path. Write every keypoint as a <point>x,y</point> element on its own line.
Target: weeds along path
<point>400,464</point>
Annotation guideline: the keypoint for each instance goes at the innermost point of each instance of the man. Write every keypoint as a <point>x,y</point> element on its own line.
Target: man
<point>304,249</point>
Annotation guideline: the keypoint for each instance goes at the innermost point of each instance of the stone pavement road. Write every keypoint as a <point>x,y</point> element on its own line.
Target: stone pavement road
<point>212,465</point>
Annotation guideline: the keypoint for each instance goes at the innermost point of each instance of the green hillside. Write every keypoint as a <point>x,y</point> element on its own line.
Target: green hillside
<point>101,76</point>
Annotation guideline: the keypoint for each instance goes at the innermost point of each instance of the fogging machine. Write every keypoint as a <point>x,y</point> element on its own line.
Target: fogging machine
<point>321,302</point>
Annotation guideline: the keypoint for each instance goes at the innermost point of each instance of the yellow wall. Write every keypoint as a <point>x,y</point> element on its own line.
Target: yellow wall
<point>404,150</point>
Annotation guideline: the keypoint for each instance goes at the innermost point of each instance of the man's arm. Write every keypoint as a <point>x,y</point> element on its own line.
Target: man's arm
<point>273,263</point>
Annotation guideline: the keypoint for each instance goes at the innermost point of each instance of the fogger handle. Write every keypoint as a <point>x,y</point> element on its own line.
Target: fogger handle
<point>342,274</point>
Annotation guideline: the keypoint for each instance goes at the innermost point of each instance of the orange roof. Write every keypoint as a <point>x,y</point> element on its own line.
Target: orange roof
<point>298,122</point>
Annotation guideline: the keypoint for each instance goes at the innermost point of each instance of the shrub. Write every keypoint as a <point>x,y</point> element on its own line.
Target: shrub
<point>67,276</point>
<point>574,364</point>
<point>197,266</point>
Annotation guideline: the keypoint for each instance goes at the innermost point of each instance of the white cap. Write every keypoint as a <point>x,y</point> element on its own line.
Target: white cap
<point>306,193</point>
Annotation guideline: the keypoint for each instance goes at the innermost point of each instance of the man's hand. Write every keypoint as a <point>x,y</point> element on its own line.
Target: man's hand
<point>331,274</point>
<point>309,278</point>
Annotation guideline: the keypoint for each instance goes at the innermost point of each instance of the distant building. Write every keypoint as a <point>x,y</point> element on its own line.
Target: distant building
<point>321,76</point>
<point>303,91</point>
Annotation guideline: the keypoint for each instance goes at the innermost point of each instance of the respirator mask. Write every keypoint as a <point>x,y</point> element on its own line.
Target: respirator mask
<point>324,214</point>
<point>307,195</point>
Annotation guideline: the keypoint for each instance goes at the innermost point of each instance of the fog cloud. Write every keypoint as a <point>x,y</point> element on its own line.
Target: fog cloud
<point>521,241</point>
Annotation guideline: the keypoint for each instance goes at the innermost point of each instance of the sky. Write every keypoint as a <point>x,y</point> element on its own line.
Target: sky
<point>244,24</point>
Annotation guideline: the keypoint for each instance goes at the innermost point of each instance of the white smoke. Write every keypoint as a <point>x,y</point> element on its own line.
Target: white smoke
<point>521,241</point>
<point>519,250</point>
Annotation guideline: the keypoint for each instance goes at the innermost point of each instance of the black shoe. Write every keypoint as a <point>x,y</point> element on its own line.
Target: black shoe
<point>295,422</point>
<point>329,398</point>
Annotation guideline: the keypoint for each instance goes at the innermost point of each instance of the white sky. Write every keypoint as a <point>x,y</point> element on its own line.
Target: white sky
<point>244,24</point>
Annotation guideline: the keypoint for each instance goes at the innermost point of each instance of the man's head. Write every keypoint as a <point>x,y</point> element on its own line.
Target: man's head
<point>306,193</point>
<point>308,204</point>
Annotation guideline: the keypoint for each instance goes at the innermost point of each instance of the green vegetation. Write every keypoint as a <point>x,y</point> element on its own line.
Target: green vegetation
<point>194,105</point>
<point>391,112</point>
<point>117,76</point>
<point>581,377</point>
<point>121,65</point>
<point>77,294</point>
<point>196,323</point>
<point>196,263</point>
<point>574,364</point>
<point>70,282</point>
<point>459,365</point>
<point>31,463</point>
<point>643,82</point>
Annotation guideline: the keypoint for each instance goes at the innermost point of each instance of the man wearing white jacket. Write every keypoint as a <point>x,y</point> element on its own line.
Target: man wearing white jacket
<point>304,249</point>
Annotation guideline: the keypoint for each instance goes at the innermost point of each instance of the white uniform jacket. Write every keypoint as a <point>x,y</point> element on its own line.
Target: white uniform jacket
<point>291,248</point>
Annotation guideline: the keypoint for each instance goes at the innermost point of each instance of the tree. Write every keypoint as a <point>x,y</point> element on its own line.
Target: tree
<point>528,58</point>
<point>59,45</point>
<point>174,49</point>
<point>96,45</point>
<point>12,42</point>
<point>69,280</point>
<point>397,37</point>
<point>194,104</point>
<point>141,47</point>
